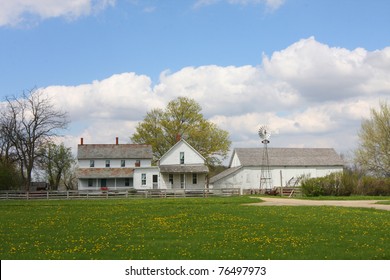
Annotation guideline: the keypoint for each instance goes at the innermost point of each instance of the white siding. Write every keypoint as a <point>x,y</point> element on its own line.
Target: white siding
<point>114,163</point>
<point>149,177</point>
<point>249,177</point>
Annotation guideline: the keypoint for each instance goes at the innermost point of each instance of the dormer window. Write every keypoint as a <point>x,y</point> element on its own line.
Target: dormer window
<point>137,163</point>
<point>181,157</point>
<point>107,163</point>
<point>123,163</point>
<point>91,163</point>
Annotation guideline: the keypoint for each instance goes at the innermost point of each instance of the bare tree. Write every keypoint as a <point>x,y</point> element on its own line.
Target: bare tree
<point>27,123</point>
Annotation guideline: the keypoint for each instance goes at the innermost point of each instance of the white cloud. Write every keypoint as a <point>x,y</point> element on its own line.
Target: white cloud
<point>312,94</point>
<point>203,3</point>
<point>122,96</point>
<point>271,5</point>
<point>20,12</point>
<point>227,90</point>
<point>318,71</point>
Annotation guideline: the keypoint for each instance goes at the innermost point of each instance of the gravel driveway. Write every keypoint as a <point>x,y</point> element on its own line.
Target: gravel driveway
<point>272,201</point>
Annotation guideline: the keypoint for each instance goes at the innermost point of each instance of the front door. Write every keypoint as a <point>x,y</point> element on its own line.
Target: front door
<point>155,181</point>
<point>103,183</point>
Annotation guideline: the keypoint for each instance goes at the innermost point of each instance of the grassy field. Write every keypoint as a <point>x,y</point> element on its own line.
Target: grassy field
<point>198,228</point>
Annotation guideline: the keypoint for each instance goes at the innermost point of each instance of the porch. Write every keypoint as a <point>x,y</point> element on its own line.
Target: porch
<point>186,177</point>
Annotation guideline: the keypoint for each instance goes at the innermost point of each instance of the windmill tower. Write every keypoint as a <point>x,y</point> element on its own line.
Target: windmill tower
<point>266,175</point>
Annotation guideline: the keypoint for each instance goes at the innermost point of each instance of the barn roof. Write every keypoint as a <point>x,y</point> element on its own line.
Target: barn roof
<point>113,151</point>
<point>289,157</point>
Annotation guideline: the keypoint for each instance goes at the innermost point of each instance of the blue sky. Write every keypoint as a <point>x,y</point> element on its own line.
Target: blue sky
<point>258,55</point>
<point>148,37</point>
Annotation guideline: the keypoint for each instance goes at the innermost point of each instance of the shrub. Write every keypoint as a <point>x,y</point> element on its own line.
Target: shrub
<point>374,186</point>
<point>312,187</point>
<point>345,184</point>
<point>10,178</point>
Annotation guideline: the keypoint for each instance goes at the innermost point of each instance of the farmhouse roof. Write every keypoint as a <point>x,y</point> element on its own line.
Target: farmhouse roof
<point>114,151</point>
<point>289,157</point>
<point>104,172</point>
<point>179,168</point>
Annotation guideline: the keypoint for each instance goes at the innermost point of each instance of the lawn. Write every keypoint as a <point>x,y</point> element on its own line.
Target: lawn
<point>189,228</point>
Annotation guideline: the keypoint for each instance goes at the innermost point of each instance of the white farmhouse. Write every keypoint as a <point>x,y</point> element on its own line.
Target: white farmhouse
<point>129,166</point>
<point>116,166</point>
<point>285,164</point>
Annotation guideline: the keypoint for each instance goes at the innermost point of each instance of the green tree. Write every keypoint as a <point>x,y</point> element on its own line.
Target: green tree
<point>56,161</point>
<point>183,117</point>
<point>373,153</point>
<point>69,177</point>
<point>10,178</point>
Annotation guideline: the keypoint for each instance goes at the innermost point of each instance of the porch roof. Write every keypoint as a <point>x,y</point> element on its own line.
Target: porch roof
<point>180,168</point>
<point>85,173</point>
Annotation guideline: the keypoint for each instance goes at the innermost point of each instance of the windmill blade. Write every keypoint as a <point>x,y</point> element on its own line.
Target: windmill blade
<point>264,132</point>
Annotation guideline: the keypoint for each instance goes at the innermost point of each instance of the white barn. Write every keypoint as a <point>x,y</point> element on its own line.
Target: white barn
<point>286,164</point>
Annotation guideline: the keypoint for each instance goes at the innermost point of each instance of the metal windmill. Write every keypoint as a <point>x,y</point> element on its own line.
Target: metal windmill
<point>266,175</point>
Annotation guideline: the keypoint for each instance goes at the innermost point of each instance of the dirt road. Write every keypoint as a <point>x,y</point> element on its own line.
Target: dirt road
<point>272,201</point>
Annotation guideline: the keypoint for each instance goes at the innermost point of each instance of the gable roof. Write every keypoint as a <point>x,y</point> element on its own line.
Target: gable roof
<point>289,157</point>
<point>179,142</point>
<point>113,151</point>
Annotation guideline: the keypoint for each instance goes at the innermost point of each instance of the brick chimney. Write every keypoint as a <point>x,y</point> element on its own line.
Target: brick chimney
<point>117,140</point>
<point>178,137</point>
<point>81,141</point>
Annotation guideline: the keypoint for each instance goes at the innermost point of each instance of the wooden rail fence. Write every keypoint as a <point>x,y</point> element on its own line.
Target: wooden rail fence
<point>97,194</point>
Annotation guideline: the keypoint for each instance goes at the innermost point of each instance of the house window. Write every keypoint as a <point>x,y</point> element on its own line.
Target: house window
<point>143,179</point>
<point>137,163</point>
<point>194,178</point>
<point>90,182</point>
<point>181,157</point>
<point>107,163</point>
<point>91,163</point>
<point>123,163</point>
<point>170,179</point>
